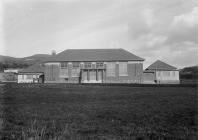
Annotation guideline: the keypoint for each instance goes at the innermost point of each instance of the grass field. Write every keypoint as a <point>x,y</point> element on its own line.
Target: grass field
<point>98,112</point>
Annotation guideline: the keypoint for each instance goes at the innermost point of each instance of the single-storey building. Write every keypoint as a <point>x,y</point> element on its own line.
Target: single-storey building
<point>161,72</point>
<point>32,74</point>
<point>8,76</point>
<point>94,66</point>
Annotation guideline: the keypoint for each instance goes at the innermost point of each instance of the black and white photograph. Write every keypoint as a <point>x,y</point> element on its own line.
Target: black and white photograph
<point>98,69</point>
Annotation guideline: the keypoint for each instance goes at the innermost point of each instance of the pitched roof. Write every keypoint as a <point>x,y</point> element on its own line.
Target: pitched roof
<point>95,55</point>
<point>36,68</point>
<point>159,65</point>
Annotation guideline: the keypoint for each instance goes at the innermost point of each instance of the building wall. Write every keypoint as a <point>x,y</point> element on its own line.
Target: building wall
<point>134,73</point>
<point>167,76</point>
<point>28,78</point>
<point>52,72</point>
<point>149,77</point>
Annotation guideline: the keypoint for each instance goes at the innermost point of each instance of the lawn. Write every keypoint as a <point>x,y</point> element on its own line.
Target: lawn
<point>98,112</point>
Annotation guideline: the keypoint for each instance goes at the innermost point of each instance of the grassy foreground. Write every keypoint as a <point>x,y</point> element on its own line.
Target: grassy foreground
<point>98,112</point>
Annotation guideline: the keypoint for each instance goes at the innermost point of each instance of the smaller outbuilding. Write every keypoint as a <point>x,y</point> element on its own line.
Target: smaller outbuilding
<point>161,73</point>
<point>32,74</point>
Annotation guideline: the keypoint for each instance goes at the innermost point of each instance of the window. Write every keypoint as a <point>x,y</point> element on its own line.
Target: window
<point>35,76</point>
<point>111,69</point>
<point>99,65</point>
<point>93,65</point>
<point>76,69</point>
<point>64,65</point>
<point>123,69</point>
<point>75,72</point>
<point>29,77</point>
<point>75,65</point>
<point>166,73</point>
<point>64,69</point>
<point>82,65</point>
<point>88,65</point>
<point>173,73</point>
<point>64,72</point>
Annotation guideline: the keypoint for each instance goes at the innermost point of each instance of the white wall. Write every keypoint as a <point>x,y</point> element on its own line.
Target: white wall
<point>23,78</point>
<point>167,75</point>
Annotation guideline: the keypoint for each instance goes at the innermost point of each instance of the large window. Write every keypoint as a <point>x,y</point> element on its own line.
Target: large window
<point>123,69</point>
<point>87,65</point>
<point>64,69</point>
<point>111,69</point>
<point>75,69</point>
<point>75,65</point>
<point>166,73</point>
<point>158,73</point>
<point>29,77</point>
<point>64,65</point>
<point>173,73</point>
<point>99,65</point>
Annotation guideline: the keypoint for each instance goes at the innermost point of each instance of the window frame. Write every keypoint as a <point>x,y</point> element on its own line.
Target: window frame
<point>75,69</point>
<point>123,67</point>
<point>64,65</point>
<point>111,69</point>
<point>99,65</point>
<point>64,69</point>
<point>87,65</point>
<point>29,76</point>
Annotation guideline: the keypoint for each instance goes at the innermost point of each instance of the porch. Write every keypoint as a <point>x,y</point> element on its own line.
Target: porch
<point>92,75</point>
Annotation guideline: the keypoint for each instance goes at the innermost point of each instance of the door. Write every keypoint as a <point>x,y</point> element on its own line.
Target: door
<point>92,76</point>
<point>84,77</point>
<point>99,76</point>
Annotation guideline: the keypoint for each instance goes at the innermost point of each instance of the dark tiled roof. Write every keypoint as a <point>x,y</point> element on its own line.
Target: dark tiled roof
<point>95,55</point>
<point>37,68</point>
<point>159,65</point>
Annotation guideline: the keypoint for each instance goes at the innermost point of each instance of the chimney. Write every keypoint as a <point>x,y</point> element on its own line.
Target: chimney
<point>53,52</point>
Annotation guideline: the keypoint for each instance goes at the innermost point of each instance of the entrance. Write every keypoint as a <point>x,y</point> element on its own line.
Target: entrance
<point>91,76</point>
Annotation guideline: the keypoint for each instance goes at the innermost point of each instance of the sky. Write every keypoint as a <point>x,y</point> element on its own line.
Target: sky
<point>164,30</point>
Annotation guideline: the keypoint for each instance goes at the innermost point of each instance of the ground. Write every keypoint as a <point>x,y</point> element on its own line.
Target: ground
<point>114,112</point>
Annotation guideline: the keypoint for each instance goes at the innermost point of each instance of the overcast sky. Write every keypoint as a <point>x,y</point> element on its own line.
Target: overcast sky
<point>152,29</point>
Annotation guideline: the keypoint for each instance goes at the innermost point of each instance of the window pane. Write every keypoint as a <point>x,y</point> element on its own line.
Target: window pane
<point>123,69</point>
<point>63,65</point>
<point>99,65</point>
<point>29,77</point>
<point>173,73</point>
<point>111,69</point>
<point>76,64</point>
<point>75,72</point>
<point>64,72</point>
<point>88,65</point>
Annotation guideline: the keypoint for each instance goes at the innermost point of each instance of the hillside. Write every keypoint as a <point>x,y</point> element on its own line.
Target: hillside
<point>36,57</point>
<point>189,72</point>
<point>11,62</point>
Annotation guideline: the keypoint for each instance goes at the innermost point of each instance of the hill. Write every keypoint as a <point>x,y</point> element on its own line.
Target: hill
<point>189,72</point>
<point>12,62</point>
<point>36,57</point>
